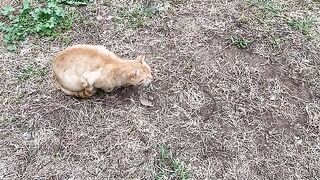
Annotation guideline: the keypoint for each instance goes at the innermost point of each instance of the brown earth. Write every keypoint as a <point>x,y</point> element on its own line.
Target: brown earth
<point>227,113</point>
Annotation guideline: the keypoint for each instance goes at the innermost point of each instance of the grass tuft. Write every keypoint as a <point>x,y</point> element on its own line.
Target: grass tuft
<point>302,25</point>
<point>31,71</point>
<point>138,15</point>
<point>169,167</point>
<point>240,42</point>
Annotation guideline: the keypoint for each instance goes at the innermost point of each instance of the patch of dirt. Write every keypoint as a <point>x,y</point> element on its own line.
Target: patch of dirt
<point>228,113</point>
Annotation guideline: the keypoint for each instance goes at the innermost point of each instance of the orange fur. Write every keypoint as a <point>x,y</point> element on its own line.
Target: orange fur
<point>81,69</point>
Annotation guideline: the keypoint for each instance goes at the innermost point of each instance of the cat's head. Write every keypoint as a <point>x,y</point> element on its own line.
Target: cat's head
<point>140,74</point>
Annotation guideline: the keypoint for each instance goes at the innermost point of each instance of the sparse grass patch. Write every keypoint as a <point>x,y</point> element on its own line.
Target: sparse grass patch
<point>268,6</point>
<point>169,167</point>
<point>302,25</point>
<point>138,15</point>
<point>31,70</point>
<point>240,42</point>
<point>48,20</point>
<point>134,17</point>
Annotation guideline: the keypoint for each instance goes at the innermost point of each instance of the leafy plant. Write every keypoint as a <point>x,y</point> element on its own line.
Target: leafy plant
<point>48,20</point>
<point>169,167</point>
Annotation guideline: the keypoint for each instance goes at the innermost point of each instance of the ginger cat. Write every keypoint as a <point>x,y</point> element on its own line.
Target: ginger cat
<point>82,69</point>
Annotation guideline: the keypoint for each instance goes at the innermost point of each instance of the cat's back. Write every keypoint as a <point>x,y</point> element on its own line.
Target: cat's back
<point>82,55</point>
<point>82,51</point>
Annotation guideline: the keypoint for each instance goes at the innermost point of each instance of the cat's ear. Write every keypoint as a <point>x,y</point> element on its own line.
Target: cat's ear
<point>134,74</point>
<point>141,58</point>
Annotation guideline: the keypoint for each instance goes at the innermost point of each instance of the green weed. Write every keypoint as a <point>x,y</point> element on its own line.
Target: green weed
<point>31,70</point>
<point>170,168</point>
<point>48,20</point>
<point>302,25</point>
<point>241,42</point>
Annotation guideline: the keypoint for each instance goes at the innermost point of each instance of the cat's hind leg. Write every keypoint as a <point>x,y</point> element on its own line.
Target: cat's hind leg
<point>66,91</point>
<point>82,94</point>
<point>87,90</point>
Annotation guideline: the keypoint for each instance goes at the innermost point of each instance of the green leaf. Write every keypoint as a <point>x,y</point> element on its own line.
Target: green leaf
<point>51,23</point>
<point>39,27</point>
<point>12,47</point>
<point>26,4</point>
<point>3,27</point>
<point>7,38</point>
<point>11,17</point>
<point>59,12</point>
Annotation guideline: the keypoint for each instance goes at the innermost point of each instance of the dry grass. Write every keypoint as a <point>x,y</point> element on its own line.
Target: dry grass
<point>223,112</point>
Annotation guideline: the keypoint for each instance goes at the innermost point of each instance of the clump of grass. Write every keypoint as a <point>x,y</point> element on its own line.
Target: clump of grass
<point>48,20</point>
<point>240,42</point>
<point>138,15</point>
<point>302,25</point>
<point>169,167</point>
<point>31,70</point>
<point>276,42</point>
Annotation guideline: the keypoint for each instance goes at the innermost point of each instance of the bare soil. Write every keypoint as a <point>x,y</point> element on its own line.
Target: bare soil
<point>227,113</point>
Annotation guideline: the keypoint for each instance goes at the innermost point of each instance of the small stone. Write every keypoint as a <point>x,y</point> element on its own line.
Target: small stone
<point>109,18</point>
<point>146,102</point>
<point>27,136</point>
<point>273,97</point>
<point>299,142</point>
<point>99,18</point>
